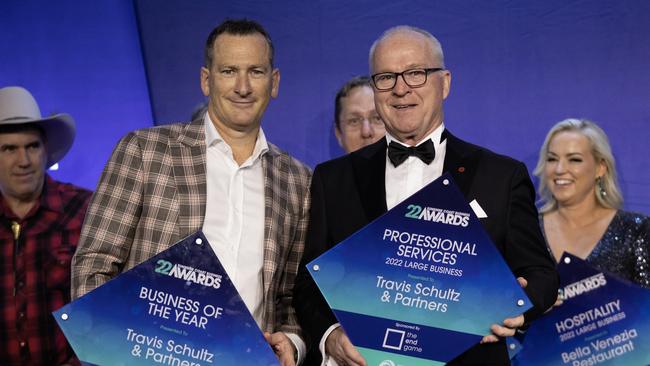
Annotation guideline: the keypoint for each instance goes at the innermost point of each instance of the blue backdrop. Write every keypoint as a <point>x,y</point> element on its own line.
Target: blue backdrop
<point>517,68</point>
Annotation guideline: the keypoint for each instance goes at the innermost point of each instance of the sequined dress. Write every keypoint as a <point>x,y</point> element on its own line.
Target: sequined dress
<point>624,249</point>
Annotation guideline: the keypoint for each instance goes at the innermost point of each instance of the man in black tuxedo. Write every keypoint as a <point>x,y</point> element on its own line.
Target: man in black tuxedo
<point>410,83</point>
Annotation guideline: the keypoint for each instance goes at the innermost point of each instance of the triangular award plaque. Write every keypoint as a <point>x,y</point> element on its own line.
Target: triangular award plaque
<point>177,308</point>
<point>422,283</point>
<point>603,320</point>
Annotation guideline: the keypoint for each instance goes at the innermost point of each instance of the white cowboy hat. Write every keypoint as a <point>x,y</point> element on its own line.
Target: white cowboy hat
<point>18,106</point>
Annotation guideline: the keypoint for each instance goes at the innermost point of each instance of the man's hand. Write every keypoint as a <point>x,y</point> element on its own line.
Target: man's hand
<point>339,347</point>
<point>509,326</point>
<point>283,347</point>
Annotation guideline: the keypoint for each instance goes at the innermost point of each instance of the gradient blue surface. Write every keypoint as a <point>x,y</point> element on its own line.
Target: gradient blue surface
<point>349,274</point>
<point>97,324</point>
<point>582,348</point>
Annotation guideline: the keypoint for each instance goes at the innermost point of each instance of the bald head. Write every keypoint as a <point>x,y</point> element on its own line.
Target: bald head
<point>408,32</point>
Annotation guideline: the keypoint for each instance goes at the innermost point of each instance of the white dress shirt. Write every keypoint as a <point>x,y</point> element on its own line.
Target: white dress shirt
<point>413,174</point>
<point>235,196</point>
<point>402,182</point>
<point>234,218</point>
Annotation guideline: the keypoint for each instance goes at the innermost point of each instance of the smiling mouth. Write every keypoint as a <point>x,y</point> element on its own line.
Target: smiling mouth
<point>242,102</point>
<point>403,106</point>
<point>562,182</point>
<point>24,176</point>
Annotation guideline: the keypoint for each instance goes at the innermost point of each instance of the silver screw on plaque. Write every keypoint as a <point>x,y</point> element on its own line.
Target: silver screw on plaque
<point>64,316</point>
<point>316,267</point>
<point>198,241</point>
<point>567,260</point>
<point>445,182</point>
<point>520,302</point>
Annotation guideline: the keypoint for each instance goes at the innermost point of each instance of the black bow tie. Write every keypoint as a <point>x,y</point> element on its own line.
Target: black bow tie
<point>398,153</point>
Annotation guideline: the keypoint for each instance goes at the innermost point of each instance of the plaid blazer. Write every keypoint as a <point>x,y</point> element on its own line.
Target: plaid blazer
<point>152,193</point>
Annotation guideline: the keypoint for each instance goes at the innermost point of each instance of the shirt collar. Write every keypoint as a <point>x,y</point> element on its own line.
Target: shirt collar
<point>435,136</point>
<point>213,138</point>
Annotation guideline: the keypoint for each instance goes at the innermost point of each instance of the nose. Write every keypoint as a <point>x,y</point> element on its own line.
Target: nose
<point>559,167</point>
<point>366,129</point>
<point>24,159</point>
<point>401,88</point>
<point>243,84</point>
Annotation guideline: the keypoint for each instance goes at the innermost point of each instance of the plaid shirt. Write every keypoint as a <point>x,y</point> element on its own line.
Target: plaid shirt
<point>35,275</point>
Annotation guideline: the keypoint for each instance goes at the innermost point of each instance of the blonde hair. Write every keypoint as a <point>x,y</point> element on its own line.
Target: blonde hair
<point>601,151</point>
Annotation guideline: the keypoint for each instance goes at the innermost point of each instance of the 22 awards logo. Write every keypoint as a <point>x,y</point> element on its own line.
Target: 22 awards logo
<point>583,286</point>
<point>187,273</point>
<point>439,215</point>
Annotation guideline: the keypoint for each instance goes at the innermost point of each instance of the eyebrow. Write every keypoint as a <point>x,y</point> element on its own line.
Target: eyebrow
<point>569,154</point>
<point>244,67</point>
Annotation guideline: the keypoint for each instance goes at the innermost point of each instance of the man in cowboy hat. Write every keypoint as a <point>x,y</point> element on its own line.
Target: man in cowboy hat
<point>40,222</point>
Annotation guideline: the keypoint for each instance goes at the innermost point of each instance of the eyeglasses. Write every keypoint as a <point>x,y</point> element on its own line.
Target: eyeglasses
<point>355,122</point>
<point>412,78</point>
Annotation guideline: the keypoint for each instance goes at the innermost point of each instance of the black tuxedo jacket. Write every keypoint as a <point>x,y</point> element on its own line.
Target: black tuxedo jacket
<point>349,192</point>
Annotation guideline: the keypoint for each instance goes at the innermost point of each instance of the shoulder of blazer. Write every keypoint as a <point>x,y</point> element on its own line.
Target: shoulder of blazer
<point>465,150</point>
<point>357,159</point>
<point>286,162</point>
<point>191,134</point>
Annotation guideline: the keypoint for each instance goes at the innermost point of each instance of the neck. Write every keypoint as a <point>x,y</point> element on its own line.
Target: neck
<point>20,207</point>
<point>583,213</point>
<point>242,143</point>
<point>414,139</point>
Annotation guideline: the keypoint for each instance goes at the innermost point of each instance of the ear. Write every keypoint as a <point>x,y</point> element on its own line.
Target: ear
<point>275,80</point>
<point>339,138</point>
<point>205,81</point>
<point>446,83</point>
<point>602,168</point>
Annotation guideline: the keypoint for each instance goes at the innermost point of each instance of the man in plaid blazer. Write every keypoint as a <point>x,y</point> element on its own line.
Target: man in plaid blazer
<point>219,174</point>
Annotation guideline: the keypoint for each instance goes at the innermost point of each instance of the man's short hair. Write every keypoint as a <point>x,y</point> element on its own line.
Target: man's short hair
<point>237,27</point>
<point>22,127</point>
<point>436,46</point>
<point>345,90</point>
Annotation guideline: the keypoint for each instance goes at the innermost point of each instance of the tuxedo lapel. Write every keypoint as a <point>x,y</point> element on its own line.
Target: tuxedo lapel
<point>188,160</point>
<point>460,162</point>
<point>369,165</point>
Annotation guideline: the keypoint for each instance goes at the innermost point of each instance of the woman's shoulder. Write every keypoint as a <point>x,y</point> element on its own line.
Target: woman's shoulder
<point>634,224</point>
<point>633,218</point>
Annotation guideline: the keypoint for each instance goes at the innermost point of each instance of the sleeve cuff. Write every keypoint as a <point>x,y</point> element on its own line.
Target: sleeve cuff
<point>301,348</point>
<point>321,346</point>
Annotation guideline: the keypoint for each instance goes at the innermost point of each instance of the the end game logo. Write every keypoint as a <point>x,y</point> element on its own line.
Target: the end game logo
<point>439,215</point>
<point>187,273</point>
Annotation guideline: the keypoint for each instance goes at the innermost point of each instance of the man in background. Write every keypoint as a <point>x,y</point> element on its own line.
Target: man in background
<point>40,225</point>
<point>356,122</point>
<point>218,174</point>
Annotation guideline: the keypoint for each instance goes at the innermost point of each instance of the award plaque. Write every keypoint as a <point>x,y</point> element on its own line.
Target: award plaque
<point>603,320</point>
<point>422,283</point>
<point>177,308</point>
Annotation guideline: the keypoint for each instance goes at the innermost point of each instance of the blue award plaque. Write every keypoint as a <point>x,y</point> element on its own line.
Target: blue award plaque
<point>422,283</point>
<point>603,320</point>
<point>177,308</point>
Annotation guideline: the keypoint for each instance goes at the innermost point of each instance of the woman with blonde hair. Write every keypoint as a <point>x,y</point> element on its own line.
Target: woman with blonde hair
<point>581,212</point>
